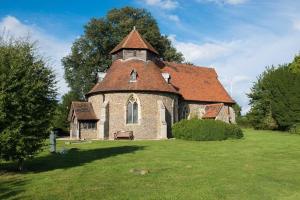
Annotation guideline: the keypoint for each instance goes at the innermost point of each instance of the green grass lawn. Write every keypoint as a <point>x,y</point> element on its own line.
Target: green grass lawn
<point>263,165</point>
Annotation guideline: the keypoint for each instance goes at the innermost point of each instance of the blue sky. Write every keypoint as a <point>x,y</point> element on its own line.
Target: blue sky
<point>237,37</point>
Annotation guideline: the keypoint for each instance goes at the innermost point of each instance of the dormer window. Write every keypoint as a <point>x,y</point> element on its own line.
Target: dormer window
<point>133,76</point>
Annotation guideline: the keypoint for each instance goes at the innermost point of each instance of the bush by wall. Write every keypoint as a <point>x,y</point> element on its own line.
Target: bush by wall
<point>205,130</point>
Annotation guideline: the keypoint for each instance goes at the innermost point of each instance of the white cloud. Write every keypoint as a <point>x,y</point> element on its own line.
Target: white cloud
<point>174,18</point>
<point>234,2</point>
<point>203,52</point>
<point>164,4</point>
<point>50,47</point>
<point>296,25</point>
<point>238,62</point>
<point>230,2</point>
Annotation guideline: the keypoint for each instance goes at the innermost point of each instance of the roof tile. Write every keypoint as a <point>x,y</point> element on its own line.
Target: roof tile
<point>149,78</point>
<point>212,110</point>
<point>196,83</point>
<point>134,41</point>
<point>83,110</point>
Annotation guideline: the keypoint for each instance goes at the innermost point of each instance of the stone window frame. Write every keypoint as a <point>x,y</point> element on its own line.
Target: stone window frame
<point>133,98</point>
<point>88,125</point>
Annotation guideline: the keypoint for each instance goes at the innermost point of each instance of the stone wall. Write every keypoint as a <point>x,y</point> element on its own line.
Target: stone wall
<point>198,109</point>
<point>195,109</point>
<point>147,126</point>
<point>223,114</point>
<point>74,128</point>
<point>97,102</point>
<point>88,133</point>
<point>226,114</point>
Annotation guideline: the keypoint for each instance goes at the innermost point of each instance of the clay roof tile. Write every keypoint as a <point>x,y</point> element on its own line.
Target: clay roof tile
<point>134,41</point>
<point>212,110</point>
<point>196,83</point>
<point>82,111</point>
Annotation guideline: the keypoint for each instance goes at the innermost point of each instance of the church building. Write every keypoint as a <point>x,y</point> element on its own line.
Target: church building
<point>144,95</point>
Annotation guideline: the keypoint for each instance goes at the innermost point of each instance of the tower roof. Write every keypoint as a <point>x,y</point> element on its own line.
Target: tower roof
<point>134,41</point>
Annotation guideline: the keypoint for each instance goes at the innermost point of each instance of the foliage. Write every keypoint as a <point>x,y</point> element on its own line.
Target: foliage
<point>27,100</point>
<point>60,119</point>
<point>90,53</point>
<point>275,97</point>
<point>284,87</point>
<point>237,110</point>
<point>205,130</point>
<point>295,65</point>
<point>295,128</point>
<point>260,115</point>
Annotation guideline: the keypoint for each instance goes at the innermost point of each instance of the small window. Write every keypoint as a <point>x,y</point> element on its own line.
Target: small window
<point>134,53</point>
<point>185,112</point>
<point>88,125</point>
<point>133,76</point>
<point>132,111</point>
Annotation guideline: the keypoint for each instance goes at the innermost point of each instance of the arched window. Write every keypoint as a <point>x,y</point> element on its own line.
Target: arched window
<point>133,76</point>
<point>185,112</point>
<point>132,111</point>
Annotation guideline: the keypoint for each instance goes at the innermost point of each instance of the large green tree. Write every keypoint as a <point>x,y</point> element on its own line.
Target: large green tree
<point>27,100</point>
<point>275,97</point>
<point>284,87</point>
<point>260,115</point>
<point>90,53</point>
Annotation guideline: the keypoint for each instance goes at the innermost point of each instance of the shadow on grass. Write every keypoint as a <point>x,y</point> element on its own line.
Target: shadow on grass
<point>9,189</point>
<point>73,158</point>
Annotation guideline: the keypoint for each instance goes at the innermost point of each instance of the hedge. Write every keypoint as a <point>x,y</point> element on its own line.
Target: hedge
<point>205,130</point>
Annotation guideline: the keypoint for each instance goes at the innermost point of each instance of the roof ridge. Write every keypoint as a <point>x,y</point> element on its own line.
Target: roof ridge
<point>188,65</point>
<point>213,104</point>
<point>134,40</point>
<point>127,38</point>
<point>138,34</point>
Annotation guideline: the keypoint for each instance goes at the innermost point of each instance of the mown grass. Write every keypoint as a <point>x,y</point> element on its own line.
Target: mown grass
<point>263,165</point>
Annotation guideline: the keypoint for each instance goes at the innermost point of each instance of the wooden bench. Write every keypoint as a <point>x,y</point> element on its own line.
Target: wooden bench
<point>123,135</point>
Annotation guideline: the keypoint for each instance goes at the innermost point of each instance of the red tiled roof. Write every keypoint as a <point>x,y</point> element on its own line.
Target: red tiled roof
<point>149,78</point>
<point>134,41</point>
<point>212,110</point>
<point>197,83</point>
<point>82,111</point>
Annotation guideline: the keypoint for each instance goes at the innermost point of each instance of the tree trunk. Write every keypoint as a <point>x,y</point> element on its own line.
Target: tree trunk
<point>20,164</point>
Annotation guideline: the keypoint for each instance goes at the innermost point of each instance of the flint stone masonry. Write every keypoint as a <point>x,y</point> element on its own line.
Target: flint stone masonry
<point>147,126</point>
<point>162,124</point>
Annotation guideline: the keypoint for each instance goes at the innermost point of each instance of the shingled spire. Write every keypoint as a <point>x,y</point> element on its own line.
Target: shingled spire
<point>134,41</point>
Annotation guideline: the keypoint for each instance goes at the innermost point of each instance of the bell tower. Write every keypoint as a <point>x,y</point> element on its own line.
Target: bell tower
<point>134,46</point>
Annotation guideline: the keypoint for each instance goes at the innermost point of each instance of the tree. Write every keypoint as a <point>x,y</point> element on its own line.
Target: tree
<point>90,53</point>
<point>284,87</point>
<point>27,100</point>
<point>60,120</point>
<point>275,97</point>
<point>237,109</point>
<point>295,65</point>
<point>260,114</point>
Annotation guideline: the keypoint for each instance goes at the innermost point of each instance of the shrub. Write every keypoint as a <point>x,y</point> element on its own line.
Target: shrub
<point>295,129</point>
<point>244,122</point>
<point>205,130</point>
